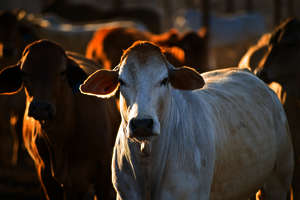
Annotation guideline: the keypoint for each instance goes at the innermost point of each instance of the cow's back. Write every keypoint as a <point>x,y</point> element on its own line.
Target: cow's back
<point>251,132</point>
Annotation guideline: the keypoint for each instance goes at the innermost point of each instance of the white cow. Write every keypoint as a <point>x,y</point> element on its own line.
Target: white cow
<point>218,135</point>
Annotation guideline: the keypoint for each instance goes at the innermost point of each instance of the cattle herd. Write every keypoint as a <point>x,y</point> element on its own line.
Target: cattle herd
<point>131,113</point>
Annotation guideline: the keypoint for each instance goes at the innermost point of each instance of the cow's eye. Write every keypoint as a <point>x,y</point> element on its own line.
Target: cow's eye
<point>164,82</point>
<point>122,83</point>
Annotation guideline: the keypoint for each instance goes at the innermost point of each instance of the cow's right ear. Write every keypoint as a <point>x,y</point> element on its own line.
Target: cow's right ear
<point>11,79</point>
<point>102,83</point>
<point>185,78</point>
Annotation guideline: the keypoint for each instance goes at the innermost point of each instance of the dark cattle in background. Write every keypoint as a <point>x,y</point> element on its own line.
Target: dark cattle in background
<point>107,45</point>
<point>82,13</point>
<point>19,28</point>
<point>281,65</point>
<point>255,53</point>
<point>229,35</point>
<point>69,136</point>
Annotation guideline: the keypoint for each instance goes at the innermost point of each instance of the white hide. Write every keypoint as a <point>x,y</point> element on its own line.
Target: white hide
<point>221,142</point>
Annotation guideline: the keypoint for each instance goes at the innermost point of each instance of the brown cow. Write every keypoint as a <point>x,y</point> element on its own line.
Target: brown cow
<point>281,64</point>
<point>107,45</point>
<point>69,136</point>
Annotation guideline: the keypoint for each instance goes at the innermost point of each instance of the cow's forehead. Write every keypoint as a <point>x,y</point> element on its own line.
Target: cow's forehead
<point>143,60</point>
<point>152,67</point>
<point>44,58</point>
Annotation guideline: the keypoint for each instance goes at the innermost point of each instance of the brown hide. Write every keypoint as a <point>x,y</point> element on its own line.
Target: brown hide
<point>108,44</point>
<point>281,64</point>
<point>70,136</point>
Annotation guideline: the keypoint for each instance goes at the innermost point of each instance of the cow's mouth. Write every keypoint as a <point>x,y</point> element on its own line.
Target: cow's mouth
<point>144,140</point>
<point>142,136</point>
<point>141,139</point>
<point>145,148</point>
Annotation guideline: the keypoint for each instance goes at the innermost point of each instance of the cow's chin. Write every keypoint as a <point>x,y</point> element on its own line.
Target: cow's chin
<point>144,139</point>
<point>141,136</point>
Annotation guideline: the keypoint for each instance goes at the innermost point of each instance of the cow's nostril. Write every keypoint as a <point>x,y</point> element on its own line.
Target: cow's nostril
<point>141,124</point>
<point>148,123</point>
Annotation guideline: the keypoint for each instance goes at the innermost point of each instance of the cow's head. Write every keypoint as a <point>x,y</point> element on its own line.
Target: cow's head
<point>281,62</point>
<point>47,75</point>
<point>146,81</point>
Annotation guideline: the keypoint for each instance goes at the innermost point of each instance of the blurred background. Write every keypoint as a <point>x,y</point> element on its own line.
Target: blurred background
<point>231,27</point>
<point>234,24</point>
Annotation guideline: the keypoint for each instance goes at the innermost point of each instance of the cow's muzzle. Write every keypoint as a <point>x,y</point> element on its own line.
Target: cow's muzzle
<point>141,128</point>
<point>41,110</point>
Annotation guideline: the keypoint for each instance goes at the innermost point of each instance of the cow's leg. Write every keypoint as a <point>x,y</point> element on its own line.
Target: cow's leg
<point>274,189</point>
<point>296,178</point>
<point>279,183</point>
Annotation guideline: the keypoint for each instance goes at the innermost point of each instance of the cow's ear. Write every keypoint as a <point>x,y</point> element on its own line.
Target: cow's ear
<point>75,75</point>
<point>185,78</point>
<point>102,83</point>
<point>11,79</point>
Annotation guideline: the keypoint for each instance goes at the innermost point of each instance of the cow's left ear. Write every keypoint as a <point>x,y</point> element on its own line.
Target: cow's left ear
<point>185,78</point>
<point>75,75</point>
<point>102,83</point>
<point>11,79</point>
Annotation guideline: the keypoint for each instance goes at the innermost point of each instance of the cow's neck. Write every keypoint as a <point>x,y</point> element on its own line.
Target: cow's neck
<point>65,112</point>
<point>60,134</point>
<point>153,166</point>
